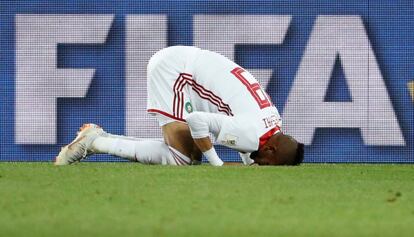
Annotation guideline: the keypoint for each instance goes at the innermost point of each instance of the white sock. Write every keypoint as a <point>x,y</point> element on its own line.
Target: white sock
<point>212,157</point>
<point>141,150</point>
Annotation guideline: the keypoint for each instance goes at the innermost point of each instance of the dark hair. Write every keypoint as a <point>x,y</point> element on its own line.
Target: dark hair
<point>288,152</point>
<point>300,150</point>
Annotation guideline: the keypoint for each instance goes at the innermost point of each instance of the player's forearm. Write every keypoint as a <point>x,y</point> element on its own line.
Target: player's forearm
<point>201,124</point>
<point>204,144</point>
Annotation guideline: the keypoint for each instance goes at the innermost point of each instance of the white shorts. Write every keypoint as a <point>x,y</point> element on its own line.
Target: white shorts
<point>163,120</point>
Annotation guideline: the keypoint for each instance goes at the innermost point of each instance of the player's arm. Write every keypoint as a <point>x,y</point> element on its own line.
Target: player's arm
<point>201,124</point>
<point>204,144</point>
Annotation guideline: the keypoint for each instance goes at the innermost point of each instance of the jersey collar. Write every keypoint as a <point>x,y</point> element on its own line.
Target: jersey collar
<point>265,137</point>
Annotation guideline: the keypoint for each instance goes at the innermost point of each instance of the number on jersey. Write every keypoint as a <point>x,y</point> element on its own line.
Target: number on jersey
<point>253,87</point>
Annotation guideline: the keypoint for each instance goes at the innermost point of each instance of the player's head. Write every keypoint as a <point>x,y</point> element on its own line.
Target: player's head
<point>281,149</point>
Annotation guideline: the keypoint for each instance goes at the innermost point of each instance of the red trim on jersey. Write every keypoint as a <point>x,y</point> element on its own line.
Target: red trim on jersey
<point>180,86</point>
<point>265,137</point>
<point>214,99</point>
<point>210,96</point>
<point>187,74</point>
<point>177,96</point>
<point>178,101</point>
<point>165,114</point>
<point>226,111</point>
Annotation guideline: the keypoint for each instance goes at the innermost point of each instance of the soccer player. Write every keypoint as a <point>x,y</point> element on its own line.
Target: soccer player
<point>197,96</point>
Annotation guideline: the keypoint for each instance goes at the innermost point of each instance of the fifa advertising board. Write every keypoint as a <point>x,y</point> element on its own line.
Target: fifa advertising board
<point>341,73</point>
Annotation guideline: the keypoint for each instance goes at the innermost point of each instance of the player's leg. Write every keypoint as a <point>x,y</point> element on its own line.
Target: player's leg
<point>177,135</point>
<point>178,147</point>
<point>145,151</point>
<point>92,139</point>
<point>167,95</point>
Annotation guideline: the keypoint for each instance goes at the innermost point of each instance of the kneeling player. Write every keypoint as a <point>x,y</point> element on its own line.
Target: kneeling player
<point>196,94</point>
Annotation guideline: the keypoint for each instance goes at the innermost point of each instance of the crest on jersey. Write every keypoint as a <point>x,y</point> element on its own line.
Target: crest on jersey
<point>230,140</point>
<point>188,107</point>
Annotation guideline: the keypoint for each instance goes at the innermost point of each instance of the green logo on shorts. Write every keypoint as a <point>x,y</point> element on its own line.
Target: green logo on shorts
<point>188,107</point>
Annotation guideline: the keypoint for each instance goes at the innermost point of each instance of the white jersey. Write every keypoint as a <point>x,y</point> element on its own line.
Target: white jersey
<point>183,80</point>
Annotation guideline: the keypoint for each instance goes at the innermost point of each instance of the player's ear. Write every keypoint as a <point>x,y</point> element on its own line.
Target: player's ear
<point>270,148</point>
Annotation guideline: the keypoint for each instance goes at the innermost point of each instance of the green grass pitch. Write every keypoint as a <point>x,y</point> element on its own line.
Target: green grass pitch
<point>129,199</point>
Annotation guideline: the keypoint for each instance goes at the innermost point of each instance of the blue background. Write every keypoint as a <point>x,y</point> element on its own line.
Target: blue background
<point>389,24</point>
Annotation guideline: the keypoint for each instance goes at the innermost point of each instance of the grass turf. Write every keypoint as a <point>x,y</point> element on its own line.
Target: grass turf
<point>129,199</point>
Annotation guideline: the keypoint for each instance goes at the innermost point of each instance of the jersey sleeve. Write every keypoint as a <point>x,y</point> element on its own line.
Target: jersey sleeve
<point>202,124</point>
